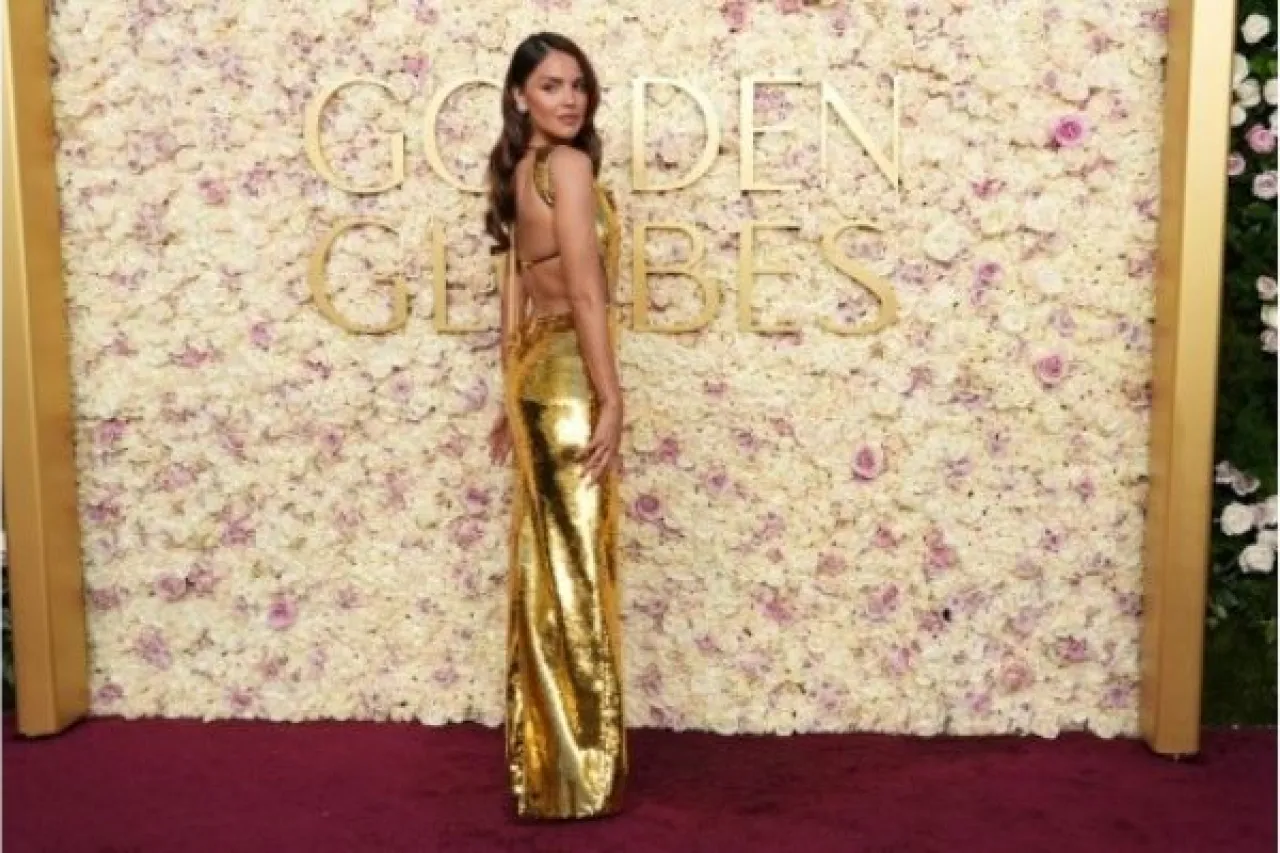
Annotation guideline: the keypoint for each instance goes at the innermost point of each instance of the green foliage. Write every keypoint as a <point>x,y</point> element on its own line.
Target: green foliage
<point>1240,644</point>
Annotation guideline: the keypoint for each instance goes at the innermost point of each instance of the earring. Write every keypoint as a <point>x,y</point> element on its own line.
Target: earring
<point>522,108</point>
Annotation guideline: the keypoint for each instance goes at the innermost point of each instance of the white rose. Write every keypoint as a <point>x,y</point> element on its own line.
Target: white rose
<point>1238,115</point>
<point>1269,315</point>
<point>1269,91</point>
<point>1265,514</point>
<point>1074,89</point>
<point>1013,322</point>
<point>1041,214</point>
<point>1236,519</point>
<point>886,404</point>
<point>1046,278</point>
<point>1249,93</point>
<point>1255,28</point>
<point>1257,558</point>
<point>946,240</point>
<point>998,217</point>
<point>1268,538</point>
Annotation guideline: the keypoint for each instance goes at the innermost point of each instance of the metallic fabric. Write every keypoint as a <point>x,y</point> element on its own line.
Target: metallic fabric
<point>565,729</point>
<point>566,740</point>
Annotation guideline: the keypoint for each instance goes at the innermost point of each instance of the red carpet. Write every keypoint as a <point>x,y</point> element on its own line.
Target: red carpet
<point>172,786</point>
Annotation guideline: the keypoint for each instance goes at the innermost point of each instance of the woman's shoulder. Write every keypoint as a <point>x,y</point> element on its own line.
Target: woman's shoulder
<point>564,168</point>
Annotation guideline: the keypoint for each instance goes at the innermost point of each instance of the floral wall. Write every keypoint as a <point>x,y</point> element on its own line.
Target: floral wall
<point>933,528</point>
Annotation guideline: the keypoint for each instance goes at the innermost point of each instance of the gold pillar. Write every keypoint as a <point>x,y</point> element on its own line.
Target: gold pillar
<point>1188,294</point>
<point>47,586</point>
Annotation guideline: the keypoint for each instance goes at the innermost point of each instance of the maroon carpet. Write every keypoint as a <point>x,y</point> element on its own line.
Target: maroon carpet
<point>170,786</point>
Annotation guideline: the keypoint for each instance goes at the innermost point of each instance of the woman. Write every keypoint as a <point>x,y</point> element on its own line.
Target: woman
<point>565,730</point>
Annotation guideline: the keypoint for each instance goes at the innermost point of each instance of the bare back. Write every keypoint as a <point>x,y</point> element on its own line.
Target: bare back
<point>565,228</point>
<point>542,274</point>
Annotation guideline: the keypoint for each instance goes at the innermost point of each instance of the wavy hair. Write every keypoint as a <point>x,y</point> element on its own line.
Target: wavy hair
<point>517,130</point>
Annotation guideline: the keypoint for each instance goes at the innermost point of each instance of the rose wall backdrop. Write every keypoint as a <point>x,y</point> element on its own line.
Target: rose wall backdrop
<point>933,528</point>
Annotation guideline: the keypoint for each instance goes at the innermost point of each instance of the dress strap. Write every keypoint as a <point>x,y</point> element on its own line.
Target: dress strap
<point>524,265</point>
<point>542,174</point>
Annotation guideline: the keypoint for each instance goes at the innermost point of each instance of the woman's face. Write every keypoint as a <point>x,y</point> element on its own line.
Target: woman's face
<point>555,96</point>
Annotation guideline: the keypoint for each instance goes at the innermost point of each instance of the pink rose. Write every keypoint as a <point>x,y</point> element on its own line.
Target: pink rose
<point>214,191</point>
<point>109,431</point>
<point>1072,650</point>
<point>1261,139</point>
<point>789,7</point>
<point>1051,370</point>
<point>108,693</point>
<point>415,65</point>
<point>202,578</point>
<point>476,500</point>
<point>466,532</point>
<point>1016,676</point>
<point>151,646</point>
<point>331,439</point>
<point>736,14</point>
<point>938,559</point>
<point>884,537</point>
<point>107,598</point>
<point>1235,164</point>
<point>717,481</point>
<point>237,531</point>
<point>647,508</point>
<point>170,587</point>
<point>868,463</point>
<point>240,700</point>
<point>282,613</point>
<point>832,564</point>
<point>882,602</point>
<point>988,272</point>
<point>261,335</point>
<point>1070,131</point>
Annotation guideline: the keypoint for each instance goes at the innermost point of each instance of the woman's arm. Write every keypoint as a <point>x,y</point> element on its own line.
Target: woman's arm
<point>573,183</point>
<point>511,318</point>
<point>513,306</point>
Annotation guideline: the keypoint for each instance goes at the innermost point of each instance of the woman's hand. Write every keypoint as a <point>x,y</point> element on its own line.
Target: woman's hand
<point>500,439</point>
<point>601,453</point>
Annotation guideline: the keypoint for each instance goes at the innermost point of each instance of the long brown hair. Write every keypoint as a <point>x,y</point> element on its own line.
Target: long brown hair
<point>517,129</point>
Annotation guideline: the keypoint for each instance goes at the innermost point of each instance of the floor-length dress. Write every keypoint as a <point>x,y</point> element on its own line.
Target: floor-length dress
<point>565,728</point>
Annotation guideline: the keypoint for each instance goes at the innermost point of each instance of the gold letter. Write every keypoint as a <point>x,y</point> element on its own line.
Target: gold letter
<point>747,272</point>
<point>747,131</point>
<point>433,117</point>
<point>639,175</point>
<point>441,308</point>
<point>320,293</point>
<point>311,138</point>
<point>640,279</point>
<point>832,98</point>
<point>882,289</point>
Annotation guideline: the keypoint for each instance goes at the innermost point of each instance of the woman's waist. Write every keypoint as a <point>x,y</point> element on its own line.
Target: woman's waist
<point>549,321</point>
<point>561,321</point>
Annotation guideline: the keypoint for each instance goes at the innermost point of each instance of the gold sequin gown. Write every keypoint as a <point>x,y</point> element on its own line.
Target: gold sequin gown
<point>566,743</point>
